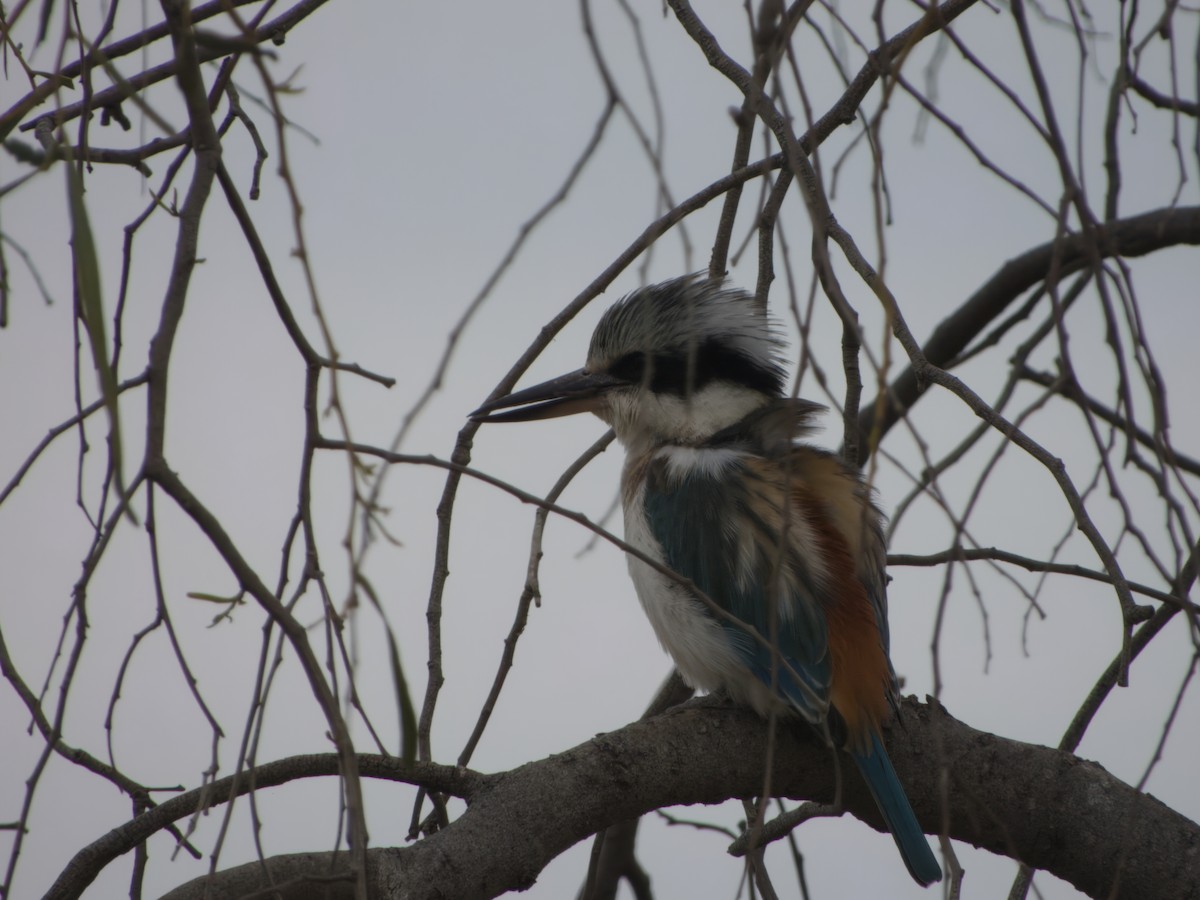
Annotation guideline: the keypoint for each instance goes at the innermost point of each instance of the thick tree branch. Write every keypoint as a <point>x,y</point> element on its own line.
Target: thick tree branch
<point>1044,807</point>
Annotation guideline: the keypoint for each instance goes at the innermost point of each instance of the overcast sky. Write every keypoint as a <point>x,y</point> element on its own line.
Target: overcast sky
<point>439,129</point>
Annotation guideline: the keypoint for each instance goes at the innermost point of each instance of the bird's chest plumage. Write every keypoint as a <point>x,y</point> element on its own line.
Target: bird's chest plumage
<point>676,616</point>
<point>686,630</point>
<point>692,511</point>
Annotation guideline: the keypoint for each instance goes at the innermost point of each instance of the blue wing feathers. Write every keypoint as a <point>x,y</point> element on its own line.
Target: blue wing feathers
<point>889,796</point>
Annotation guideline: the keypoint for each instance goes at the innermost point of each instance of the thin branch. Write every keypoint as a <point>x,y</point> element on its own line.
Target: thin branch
<point>1135,236</point>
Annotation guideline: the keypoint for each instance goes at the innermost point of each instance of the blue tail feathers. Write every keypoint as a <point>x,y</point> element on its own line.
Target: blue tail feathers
<point>889,796</point>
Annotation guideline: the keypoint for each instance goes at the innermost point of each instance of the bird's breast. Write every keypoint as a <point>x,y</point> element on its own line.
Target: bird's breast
<point>687,629</point>
<point>691,636</point>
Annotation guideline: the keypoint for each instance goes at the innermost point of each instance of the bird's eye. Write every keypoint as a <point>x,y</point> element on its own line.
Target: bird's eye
<point>631,367</point>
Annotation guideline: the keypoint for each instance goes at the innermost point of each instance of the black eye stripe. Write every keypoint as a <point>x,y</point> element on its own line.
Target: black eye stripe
<point>674,373</point>
<point>631,367</point>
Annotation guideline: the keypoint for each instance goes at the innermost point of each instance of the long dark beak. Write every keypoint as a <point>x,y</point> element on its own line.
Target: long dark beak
<point>565,395</point>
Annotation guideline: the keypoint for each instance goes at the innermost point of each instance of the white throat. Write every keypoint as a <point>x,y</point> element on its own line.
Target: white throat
<point>643,419</point>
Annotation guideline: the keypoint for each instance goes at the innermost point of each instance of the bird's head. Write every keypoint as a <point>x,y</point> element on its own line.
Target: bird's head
<point>671,363</point>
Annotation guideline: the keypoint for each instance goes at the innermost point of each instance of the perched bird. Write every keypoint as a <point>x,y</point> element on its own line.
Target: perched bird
<point>780,536</point>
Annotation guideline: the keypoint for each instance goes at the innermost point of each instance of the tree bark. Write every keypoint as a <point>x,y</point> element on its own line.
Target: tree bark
<point>1049,809</point>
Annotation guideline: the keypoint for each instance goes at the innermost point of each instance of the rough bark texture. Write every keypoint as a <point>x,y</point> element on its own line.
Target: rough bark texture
<point>1049,809</point>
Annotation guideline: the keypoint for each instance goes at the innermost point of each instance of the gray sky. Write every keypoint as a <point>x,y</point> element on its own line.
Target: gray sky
<point>442,127</point>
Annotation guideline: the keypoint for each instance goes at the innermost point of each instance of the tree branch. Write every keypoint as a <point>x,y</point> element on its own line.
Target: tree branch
<point>1041,806</point>
<point>1134,236</point>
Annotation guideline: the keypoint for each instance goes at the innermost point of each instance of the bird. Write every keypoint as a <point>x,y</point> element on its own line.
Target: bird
<point>774,592</point>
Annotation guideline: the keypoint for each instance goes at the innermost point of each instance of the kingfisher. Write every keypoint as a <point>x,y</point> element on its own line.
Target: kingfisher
<point>781,540</point>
